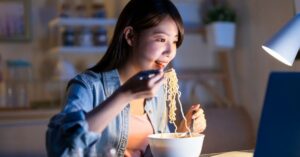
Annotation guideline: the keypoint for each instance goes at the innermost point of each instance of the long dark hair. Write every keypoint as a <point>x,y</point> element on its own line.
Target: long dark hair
<point>140,15</point>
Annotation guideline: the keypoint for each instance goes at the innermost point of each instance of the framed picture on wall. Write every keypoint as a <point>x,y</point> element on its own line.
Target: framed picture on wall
<point>15,20</point>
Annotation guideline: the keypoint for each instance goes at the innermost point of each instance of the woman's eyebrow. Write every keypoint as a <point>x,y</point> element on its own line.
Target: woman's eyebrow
<point>165,33</point>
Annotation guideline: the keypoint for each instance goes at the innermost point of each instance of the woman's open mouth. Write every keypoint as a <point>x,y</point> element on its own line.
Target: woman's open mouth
<point>161,64</point>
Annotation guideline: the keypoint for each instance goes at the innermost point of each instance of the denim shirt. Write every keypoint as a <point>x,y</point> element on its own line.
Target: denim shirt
<point>68,132</point>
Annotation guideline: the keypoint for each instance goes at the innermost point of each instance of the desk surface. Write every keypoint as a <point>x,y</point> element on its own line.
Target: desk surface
<point>245,153</point>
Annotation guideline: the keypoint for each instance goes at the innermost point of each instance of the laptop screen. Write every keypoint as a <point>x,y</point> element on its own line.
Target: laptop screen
<point>279,127</point>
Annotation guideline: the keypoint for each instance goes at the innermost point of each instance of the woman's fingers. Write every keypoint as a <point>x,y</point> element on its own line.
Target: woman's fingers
<point>193,111</point>
<point>141,82</point>
<point>199,125</point>
<point>156,79</point>
<point>149,87</point>
<point>198,113</point>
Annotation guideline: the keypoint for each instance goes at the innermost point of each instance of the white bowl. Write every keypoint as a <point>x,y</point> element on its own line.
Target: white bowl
<point>171,145</point>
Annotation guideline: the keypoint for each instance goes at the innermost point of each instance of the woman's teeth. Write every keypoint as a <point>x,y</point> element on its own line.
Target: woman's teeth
<point>159,64</point>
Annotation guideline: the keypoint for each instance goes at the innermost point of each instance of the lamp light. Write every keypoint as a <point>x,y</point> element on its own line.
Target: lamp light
<point>284,45</point>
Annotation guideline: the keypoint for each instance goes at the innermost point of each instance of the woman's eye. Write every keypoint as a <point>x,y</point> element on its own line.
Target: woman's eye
<point>161,40</point>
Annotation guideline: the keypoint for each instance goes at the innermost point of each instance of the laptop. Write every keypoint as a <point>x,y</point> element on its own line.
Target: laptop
<point>279,127</point>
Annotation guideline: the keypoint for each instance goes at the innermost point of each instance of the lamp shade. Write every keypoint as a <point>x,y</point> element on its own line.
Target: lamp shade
<point>285,44</point>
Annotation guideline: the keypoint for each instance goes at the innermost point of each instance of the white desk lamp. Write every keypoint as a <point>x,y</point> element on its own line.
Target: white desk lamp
<point>285,44</point>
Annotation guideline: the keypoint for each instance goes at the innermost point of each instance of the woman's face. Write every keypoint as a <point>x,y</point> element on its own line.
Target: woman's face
<point>155,47</point>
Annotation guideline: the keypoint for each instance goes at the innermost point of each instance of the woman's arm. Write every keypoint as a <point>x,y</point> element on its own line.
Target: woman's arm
<point>102,115</point>
<point>76,128</point>
<point>68,130</point>
<point>134,88</point>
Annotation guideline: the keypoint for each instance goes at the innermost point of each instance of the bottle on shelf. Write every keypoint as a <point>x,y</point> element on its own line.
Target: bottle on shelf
<point>85,37</point>
<point>2,86</point>
<point>80,8</point>
<point>18,77</point>
<point>100,36</point>
<point>98,9</point>
<point>64,8</point>
<point>82,34</point>
<point>68,36</point>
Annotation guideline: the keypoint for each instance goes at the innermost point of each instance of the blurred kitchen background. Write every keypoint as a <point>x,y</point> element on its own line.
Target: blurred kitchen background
<point>44,43</point>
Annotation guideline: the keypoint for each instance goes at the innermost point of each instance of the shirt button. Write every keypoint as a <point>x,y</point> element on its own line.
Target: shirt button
<point>150,111</point>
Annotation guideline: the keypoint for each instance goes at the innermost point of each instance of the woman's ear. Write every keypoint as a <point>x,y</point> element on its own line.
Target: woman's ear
<point>129,35</point>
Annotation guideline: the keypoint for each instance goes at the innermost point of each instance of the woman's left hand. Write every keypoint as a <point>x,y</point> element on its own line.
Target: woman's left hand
<point>197,114</point>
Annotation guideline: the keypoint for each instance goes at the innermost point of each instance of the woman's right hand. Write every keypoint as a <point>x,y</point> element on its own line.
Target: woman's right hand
<point>139,86</point>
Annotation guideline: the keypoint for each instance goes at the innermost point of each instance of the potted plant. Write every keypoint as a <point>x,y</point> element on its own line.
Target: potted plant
<point>220,26</point>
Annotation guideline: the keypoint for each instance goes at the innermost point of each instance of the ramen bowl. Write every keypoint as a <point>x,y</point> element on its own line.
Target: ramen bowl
<point>176,144</point>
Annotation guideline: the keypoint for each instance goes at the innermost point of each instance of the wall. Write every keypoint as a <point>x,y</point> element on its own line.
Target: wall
<point>257,21</point>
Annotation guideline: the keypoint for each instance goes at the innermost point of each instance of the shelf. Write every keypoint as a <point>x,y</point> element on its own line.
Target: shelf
<point>15,114</point>
<point>79,50</point>
<point>82,22</point>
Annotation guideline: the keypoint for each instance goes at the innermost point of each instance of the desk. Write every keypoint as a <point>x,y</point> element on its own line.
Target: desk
<point>244,153</point>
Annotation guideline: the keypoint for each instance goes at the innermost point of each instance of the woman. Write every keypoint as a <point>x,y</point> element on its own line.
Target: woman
<point>109,109</point>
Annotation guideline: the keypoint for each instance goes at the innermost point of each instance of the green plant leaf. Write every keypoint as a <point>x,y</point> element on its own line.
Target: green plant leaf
<point>220,13</point>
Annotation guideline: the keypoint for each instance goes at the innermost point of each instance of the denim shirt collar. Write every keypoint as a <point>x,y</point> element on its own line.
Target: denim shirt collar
<point>111,79</point>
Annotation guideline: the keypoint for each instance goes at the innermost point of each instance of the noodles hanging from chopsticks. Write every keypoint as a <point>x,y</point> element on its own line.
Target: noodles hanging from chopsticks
<point>172,92</point>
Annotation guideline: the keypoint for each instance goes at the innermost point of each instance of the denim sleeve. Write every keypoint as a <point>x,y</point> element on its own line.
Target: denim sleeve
<point>69,130</point>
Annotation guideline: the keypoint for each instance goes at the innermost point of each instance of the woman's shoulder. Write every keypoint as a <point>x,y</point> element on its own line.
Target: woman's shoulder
<point>87,76</point>
<point>90,76</point>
